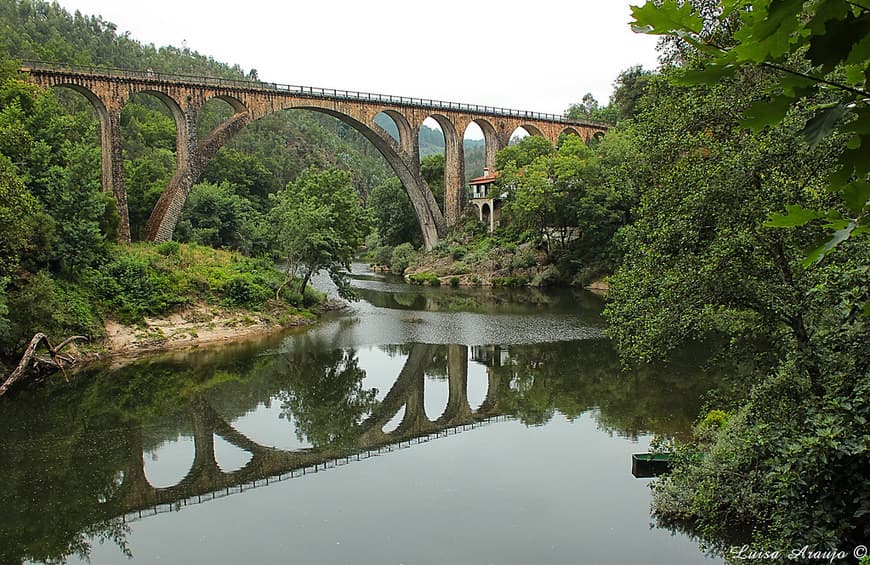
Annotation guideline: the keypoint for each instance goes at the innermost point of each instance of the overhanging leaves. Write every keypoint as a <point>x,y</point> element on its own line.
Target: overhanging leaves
<point>795,216</point>
<point>671,17</point>
<point>822,124</point>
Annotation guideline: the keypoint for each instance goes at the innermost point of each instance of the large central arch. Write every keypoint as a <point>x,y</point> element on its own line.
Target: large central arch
<point>165,216</point>
<point>429,215</point>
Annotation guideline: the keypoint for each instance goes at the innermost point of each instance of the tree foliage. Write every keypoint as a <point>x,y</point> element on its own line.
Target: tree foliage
<point>761,109</point>
<point>393,213</point>
<point>317,223</point>
<point>811,46</point>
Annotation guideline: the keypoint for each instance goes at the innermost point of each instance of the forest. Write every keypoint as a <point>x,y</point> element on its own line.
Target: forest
<point>727,206</point>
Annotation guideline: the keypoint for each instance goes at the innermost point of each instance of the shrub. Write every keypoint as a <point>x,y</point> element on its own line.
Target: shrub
<point>524,258</point>
<point>459,268</point>
<point>550,277</point>
<point>246,290</point>
<point>130,287</point>
<point>404,256</point>
<point>169,249</point>
<point>457,252</point>
<point>454,282</point>
<point>510,281</point>
<point>41,304</point>
<point>424,278</point>
<point>381,255</point>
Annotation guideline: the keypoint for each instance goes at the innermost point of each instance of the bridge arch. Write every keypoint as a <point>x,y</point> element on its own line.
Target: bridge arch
<point>111,156</point>
<point>406,135</point>
<point>454,169</point>
<point>531,130</point>
<point>490,139</point>
<point>235,103</point>
<point>426,208</point>
<point>569,131</point>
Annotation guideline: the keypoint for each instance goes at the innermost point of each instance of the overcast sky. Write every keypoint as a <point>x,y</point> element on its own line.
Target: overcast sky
<point>540,55</point>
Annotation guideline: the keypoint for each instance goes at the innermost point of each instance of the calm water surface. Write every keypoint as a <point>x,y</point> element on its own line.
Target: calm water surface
<point>420,426</point>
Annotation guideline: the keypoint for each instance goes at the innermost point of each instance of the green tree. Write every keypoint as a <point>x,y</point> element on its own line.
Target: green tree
<point>317,223</point>
<point>432,169</point>
<point>394,214</point>
<point>216,216</point>
<point>556,193</point>
<point>248,173</point>
<point>629,88</point>
<point>523,153</point>
<point>589,109</point>
<point>17,208</point>
<point>724,135</point>
<point>809,46</point>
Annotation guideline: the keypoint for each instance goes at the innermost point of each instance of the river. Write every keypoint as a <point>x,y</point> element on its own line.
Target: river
<point>430,426</point>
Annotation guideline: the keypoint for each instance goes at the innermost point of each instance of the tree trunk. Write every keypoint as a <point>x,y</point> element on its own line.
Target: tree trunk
<point>305,282</point>
<point>21,370</point>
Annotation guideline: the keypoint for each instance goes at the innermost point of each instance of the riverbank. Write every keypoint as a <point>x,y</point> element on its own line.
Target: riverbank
<point>201,325</point>
<point>469,257</point>
<point>486,264</point>
<point>149,298</point>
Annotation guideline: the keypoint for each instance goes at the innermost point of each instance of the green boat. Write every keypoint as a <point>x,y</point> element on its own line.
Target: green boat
<point>646,465</point>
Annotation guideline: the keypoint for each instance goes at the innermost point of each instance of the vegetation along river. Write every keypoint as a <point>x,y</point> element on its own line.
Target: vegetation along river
<point>441,426</point>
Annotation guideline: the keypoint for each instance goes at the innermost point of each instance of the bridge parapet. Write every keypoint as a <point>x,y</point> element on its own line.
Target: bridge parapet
<point>256,86</point>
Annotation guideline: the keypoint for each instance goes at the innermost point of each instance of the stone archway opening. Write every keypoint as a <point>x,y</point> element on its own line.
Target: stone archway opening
<point>213,113</point>
<point>432,152</point>
<point>485,213</point>
<point>79,100</point>
<point>388,123</point>
<point>149,139</point>
<point>474,144</point>
<point>521,133</point>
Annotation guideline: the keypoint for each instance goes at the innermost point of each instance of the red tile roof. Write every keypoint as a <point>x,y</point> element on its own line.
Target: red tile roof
<point>484,179</point>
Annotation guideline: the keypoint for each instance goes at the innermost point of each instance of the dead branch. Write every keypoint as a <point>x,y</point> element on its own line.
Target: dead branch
<point>57,358</point>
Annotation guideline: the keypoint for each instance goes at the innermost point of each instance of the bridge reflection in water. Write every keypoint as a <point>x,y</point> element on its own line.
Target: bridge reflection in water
<point>207,481</point>
<point>76,452</point>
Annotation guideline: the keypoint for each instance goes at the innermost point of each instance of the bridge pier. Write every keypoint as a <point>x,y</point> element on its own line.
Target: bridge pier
<point>112,163</point>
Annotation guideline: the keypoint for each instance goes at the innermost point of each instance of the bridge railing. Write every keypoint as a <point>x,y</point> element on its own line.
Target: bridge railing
<point>312,91</point>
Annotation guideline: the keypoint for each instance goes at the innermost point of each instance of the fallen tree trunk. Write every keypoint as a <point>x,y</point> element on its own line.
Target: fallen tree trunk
<point>30,353</point>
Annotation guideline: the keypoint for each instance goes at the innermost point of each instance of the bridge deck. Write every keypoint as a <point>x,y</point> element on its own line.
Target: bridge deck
<point>305,91</point>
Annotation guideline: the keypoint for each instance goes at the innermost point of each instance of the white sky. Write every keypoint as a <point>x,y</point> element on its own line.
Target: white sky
<point>540,55</point>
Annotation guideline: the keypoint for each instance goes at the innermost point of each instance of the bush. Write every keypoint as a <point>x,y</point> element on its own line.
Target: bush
<point>454,282</point>
<point>510,281</point>
<point>169,249</point>
<point>131,288</point>
<point>457,252</point>
<point>404,256</point>
<point>787,467</point>
<point>459,268</point>
<point>425,278</point>
<point>381,255</point>
<point>41,304</point>
<point>523,259</point>
<point>550,277</point>
<point>245,290</point>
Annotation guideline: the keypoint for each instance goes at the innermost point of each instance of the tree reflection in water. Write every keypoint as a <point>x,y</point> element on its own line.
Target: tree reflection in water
<point>72,454</point>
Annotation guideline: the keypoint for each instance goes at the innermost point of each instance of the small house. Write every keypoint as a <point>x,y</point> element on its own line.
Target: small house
<point>488,208</point>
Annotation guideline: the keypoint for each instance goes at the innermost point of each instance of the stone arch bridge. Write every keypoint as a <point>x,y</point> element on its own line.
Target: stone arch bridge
<point>109,89</point>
